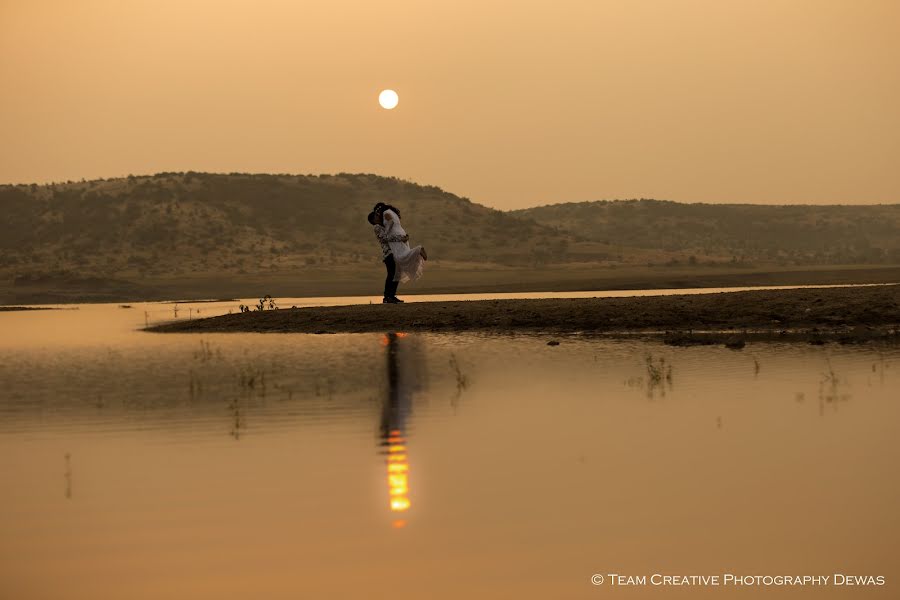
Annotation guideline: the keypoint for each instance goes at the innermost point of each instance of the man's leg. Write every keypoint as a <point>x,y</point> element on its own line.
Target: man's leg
<point>390,286</point>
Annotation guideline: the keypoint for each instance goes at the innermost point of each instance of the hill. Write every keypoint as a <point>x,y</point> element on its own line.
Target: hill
<point>180,223</point>
<point>796,235</point>
<point>120,237</point>
<point>182,235</point>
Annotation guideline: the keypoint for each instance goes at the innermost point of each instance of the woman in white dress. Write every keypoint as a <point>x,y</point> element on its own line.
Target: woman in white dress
<point>410,261</point>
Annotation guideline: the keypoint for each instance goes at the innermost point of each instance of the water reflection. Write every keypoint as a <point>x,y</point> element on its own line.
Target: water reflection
<point>68,476</point>
<point>167,505</point>
<point>402,357</point>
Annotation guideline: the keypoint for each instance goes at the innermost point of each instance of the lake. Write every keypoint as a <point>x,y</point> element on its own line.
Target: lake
<point>138,465</point>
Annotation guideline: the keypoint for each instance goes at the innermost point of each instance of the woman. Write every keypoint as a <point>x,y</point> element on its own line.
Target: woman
<point>408,255</point>
<point>410,262</point>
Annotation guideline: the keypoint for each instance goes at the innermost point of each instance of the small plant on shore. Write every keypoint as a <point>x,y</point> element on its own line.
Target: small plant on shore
<point>267,302</point>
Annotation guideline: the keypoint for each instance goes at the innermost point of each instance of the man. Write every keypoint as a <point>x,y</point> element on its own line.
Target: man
<point>390,286</point>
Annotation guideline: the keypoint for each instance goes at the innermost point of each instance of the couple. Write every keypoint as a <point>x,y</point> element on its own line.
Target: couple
<point>402,262</point>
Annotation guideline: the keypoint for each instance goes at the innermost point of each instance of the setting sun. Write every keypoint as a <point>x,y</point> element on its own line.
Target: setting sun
<point>388,99</point>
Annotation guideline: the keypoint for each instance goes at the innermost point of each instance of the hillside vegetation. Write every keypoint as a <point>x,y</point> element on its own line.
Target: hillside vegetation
<point>174,223</point>
<point>157,236</point>
<point>797,235</point>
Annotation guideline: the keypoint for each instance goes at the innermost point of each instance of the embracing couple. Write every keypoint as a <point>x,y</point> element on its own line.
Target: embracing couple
<point>402,262</point>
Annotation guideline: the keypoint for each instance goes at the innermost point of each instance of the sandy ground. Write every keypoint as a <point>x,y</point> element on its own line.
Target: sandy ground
<point>850,313</point>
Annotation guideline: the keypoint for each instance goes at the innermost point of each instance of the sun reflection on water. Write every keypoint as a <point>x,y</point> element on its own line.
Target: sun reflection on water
<point>397,404</point>
<point>397,472</point>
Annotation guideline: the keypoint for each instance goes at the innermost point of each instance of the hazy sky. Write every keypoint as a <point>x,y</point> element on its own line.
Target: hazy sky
<point>512,104</point>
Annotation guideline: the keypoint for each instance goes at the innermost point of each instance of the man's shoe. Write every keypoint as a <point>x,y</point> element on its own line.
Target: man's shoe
<point>398,300</point>
<point>391,300</point>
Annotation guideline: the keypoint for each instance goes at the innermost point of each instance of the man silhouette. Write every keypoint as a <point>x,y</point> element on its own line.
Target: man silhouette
<point>390,286</point>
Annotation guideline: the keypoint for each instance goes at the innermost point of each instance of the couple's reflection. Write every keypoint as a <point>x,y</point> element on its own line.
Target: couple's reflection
<point>403,379</point>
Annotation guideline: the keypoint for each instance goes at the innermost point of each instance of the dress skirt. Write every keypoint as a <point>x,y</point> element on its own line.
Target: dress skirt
<point>409,261</point>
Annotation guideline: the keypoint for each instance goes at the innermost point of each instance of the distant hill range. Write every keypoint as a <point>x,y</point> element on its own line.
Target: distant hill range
<point>183,225</point>
<point>795,234</point>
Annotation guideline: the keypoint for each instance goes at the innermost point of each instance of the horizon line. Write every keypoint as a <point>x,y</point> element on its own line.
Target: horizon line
<point>51,183</point>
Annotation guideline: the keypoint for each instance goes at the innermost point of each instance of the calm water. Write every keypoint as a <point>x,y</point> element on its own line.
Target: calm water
<point>136,465</point>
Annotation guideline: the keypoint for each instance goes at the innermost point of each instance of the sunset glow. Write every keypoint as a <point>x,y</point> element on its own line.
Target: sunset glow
<point>644,254</point>
<point>704,101</point>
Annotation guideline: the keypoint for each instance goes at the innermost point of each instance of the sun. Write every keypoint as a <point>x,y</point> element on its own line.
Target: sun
<point>388,99</point>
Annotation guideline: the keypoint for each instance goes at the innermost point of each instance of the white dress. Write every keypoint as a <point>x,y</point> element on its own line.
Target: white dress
<point>409,261</point>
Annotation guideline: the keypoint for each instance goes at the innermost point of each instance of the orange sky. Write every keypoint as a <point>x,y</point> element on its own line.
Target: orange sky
<point>509,103</point>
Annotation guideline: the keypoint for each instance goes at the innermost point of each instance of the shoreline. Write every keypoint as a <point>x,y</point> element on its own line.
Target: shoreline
<point>364,281</point>
<point>808,313</point>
